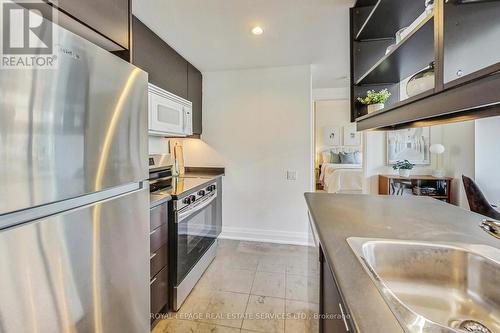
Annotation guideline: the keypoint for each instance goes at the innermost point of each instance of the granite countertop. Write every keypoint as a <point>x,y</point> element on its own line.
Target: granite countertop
<point>339,216</point>
<point>208,173</point>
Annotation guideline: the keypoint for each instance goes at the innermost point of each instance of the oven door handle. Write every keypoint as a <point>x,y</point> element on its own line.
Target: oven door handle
<point>182,215</point>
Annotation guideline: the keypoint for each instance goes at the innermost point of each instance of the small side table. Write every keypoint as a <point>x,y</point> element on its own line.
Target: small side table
<point>420,185</point>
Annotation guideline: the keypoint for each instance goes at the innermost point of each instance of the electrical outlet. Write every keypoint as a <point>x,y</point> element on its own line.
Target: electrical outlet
<point>291,175</point>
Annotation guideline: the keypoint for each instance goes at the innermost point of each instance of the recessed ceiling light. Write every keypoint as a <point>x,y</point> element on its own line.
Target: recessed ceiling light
<point>257,30</point>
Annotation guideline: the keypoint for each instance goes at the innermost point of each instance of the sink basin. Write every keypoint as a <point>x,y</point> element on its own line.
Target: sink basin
<point>434,287</point>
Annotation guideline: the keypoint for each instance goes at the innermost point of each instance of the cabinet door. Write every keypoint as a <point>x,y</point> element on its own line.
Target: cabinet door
<point>110,17</point>
<point>159,291</point>
<point>195,82</point>
<point>334,316</point>
<point>471,34</point>
<point>167,69</point>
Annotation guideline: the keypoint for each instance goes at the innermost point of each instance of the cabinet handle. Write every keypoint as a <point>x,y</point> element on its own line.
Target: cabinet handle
<point>184,119</point>
<point>152,232</point>
<point>152,256</point>
<point>152,281</point>
<point>343,317</point>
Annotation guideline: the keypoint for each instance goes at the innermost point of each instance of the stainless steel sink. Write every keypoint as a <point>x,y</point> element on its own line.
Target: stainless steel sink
<point>434,287</point>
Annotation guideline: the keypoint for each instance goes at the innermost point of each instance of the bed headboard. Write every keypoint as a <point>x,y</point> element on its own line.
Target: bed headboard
<point>343,149</point>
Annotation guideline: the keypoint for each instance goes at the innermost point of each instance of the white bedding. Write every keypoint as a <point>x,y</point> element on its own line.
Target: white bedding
<point>342,178</point>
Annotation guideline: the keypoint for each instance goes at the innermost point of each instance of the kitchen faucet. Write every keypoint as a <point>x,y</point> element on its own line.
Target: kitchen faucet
<point>492,227</point>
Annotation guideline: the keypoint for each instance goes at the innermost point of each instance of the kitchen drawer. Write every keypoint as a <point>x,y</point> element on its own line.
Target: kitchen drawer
<point>158,260</point>
<point>159,291</point>
<point>158,216</point>
<point>158,238</point>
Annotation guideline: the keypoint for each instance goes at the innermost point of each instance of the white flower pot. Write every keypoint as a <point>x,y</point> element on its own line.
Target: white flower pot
<point>375,107</point>
<point>404,173</point>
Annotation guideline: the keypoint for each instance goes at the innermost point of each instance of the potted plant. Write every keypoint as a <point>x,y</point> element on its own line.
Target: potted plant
<point>375,100</point>
<point>403,167</point>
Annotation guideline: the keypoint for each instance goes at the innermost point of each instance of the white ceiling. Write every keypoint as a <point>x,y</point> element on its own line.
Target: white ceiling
<point>215,35</point>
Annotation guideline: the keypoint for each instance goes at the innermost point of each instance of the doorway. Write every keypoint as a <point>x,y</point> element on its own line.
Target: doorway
<point>335,135</point>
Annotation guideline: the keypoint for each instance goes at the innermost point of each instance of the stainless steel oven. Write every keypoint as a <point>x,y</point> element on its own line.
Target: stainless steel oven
<point>194,238</point>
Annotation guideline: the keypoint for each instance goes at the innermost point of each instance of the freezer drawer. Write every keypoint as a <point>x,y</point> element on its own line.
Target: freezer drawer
<point>85,270</point>
<point>79,128</point>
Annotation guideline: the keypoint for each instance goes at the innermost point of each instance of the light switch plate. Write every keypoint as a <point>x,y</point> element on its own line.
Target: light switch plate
<point>291,175</point>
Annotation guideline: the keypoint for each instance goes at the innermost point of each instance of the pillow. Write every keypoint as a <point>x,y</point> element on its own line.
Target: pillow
<point>358,157</point>
<point>335,158</point>
<point>347,158</point>
<point>326,157</point>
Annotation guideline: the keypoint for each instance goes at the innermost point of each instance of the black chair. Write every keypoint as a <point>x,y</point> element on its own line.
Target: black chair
<point>477,200</point>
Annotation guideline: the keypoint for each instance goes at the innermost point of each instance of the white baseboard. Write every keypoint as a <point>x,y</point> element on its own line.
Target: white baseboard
<point>269,236</point>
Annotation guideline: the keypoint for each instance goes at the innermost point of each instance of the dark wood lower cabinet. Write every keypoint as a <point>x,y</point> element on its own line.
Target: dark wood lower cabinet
<point>334,317</point>
<point>158,261</point>
<point>158,238</point>
<point>159,291</point>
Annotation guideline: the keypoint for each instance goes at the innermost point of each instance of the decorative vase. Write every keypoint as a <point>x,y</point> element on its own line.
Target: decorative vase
<point>375,107</point>
<point>404,173</point>
<point>422,81</point>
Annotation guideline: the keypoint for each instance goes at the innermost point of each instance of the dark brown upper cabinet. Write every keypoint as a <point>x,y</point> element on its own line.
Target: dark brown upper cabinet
<point>110,18</point>
<point>167,69</point>
<point>195,96</point>
<point>471,35</point>
<point>457,37</point>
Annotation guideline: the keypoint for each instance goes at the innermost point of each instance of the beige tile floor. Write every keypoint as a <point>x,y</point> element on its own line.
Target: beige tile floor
<point>252,287</point>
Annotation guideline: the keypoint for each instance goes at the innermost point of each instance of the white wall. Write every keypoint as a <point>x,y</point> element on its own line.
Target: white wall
<point>458,139</point>
<point>333,113</point>
<point>257,123</point>
<point>322,94</point>
<point>158,145</point>
<point>487,132</point>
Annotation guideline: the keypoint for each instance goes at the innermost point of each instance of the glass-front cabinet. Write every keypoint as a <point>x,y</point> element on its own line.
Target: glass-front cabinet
<point>471,39</point>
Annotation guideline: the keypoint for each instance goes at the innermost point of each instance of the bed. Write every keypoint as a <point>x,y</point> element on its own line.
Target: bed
<point>341,178</point>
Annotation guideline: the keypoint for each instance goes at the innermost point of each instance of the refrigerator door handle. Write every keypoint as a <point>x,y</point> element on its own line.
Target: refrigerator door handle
<point>24,216</point>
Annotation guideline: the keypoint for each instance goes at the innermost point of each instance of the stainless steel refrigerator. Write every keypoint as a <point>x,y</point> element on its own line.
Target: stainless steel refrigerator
<point>74,204</point>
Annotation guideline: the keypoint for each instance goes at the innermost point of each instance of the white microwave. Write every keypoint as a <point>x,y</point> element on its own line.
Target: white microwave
<point>169,115</point>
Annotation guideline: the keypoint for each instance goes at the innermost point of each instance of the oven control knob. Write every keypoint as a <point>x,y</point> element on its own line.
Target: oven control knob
<point>193,198</point>
<point>201,193</point>
<point>187,200</point>
<point>213,187</point>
